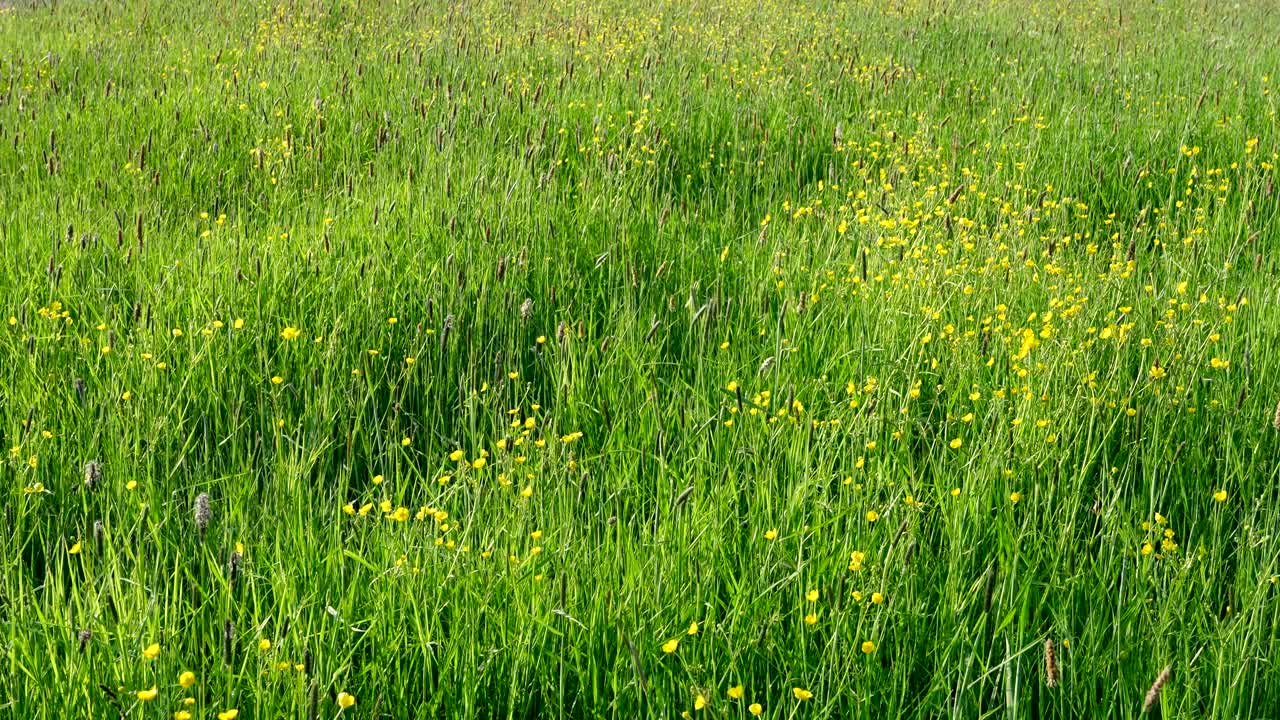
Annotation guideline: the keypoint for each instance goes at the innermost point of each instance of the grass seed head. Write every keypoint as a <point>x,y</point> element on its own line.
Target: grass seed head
<point>204,513</point>
<point>92,474</point>
<point>1050,664</point>
<point>1153,695</point>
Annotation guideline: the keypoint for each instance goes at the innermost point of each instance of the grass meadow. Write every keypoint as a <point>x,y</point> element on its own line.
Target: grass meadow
<point>602,359</point>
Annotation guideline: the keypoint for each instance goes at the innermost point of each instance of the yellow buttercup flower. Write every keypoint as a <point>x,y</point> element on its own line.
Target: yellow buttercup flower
<point>148,695</point>
<point>152,651</point>
<point>346,700</point>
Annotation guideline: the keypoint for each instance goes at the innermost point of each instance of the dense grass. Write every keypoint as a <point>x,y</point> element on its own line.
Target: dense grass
<point>885,341</point>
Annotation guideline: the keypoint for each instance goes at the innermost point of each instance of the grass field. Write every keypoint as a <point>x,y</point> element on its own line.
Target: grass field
<point>598,359</point>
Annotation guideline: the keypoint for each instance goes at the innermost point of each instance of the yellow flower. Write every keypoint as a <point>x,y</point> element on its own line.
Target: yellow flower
<point>1220,496</point>
<point>1015,497</point>
<point>75,549</point>
<point>755,709</point>
<point>1156,372</point>
<point>693,628</point>
<point>736,692</point>
<point>872,516</point>
<point>346,700</point>
<point>290,333</point>
<point>148,695</point>
<point>231,714</point>
<point>187,679</point>
<point>868,647</point>
<point>811,596</point>
<point>811,619</point>
<point>276,380</point>
<point>699,702</point>
<point>801,694</point>
<point>771,534</point>
<point>182,715</point>
<point>377,479</point>
<point>877,598</point>
<point>670,646</point>
<point>264,644</point>
<point>406,441</point>
<point>956,443</point>
<point>152,651</point>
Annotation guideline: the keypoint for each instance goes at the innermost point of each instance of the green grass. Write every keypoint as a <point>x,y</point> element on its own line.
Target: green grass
<point>960,314</point>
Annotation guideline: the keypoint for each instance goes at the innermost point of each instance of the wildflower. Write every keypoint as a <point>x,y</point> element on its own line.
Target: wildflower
<point>699,702</point>
<point>872,516</point>
<point>290,333</point>
<point>811,619</point>
<point>148,695</point>
<point>736,692</point>
<point>771,534</point>
<point>182,715</point>
<point>856,558</point>
<point>811,596</point>
<point>868,647</point>
<point>1015,497</point>
<point>187,679</point>
<point>264,644</point>
<point>693,628</point>
<point>231,714</point>
<point>956,443</point>
<point>75,549</point>
<point>755,709</point>
<point>671,646</point>
<point>346,700</point>
<point>1220,496</point>
<point>801,694</point>
<point>152,651</point>
<point>877,598</point>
